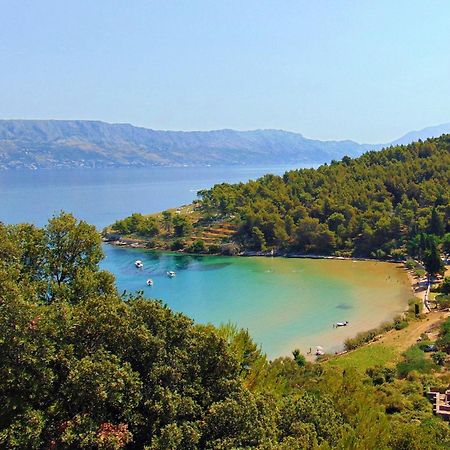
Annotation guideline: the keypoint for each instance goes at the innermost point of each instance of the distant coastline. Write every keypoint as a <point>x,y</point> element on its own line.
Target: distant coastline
<point>87,144</point>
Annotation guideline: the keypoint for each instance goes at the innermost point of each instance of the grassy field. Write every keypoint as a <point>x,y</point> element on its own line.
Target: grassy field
<point>388,350</point>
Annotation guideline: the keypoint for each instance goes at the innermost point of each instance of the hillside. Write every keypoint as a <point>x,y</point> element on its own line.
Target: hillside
<point>372,206</point>
<point>36,144</point>
<point>423,134</point>
<point>50,143</point>
<point>83,367</point>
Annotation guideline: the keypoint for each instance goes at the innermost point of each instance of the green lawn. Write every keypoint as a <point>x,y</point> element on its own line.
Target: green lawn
<point>389,349</point>
<point>368,356</point>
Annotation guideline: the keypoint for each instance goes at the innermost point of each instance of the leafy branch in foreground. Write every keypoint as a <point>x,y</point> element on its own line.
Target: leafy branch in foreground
<point>82,368</point>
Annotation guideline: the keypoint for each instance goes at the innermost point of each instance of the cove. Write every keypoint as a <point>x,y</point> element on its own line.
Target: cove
<point>285,303</point>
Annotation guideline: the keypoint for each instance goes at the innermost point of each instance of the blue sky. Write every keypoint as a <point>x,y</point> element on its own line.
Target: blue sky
<point>366,70</point>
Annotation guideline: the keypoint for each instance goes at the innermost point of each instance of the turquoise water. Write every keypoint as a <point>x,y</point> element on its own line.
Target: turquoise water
<point>284,302</point>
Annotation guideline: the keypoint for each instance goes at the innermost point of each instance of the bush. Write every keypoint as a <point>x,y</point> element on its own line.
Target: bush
<point>213,249</point>
<point>152,243</point>
<point>177,244</point>
<point>401,325</point>
<point>362,338</point>
<point>439,358</point>
<point>442,301</point>
<point>365,337</point>
<point>381,375</point>
<point>415,360</point>
<point>443,343</point>
<point>198,247</point>
<point>415,306</point>
<point>299,358</point>
<point>445,286</point>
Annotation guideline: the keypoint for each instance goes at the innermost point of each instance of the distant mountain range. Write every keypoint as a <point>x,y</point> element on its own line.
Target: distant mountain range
<point>35,144</point>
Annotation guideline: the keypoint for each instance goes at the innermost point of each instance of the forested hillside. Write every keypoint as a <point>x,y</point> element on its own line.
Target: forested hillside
<point>384,204</point>
<point>368,206</point>
<point>82,367</point>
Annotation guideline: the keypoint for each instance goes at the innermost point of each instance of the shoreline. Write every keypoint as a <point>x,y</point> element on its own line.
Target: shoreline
<point>410,282</point>
<point>140,245</point>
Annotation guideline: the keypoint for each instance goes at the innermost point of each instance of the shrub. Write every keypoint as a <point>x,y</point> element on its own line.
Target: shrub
<point>401,325</point>
<point>177,244</point>
<point>380,375</point>
<point>415,360</point>
<point>439,358</point>
<point>197,247</point>
<point>445,286</point>
<point>365,337</point>
<point>412,264</point>
<point>415,306</point>
<point>299,358</point>
<point>213,249</point>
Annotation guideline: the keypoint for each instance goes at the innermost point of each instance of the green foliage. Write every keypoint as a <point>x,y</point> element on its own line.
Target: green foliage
<point>81,368</point>
<point>137,224</point>
<point>445,286</point>
<point>182,226</point>
<point>364,337</point>
<point>443,341</point>
<point>299,358</point>
<point>400,325</point>
<point>177,244</point>
<point>259,239</point>
<point>442,301</point>
<point>436,225</point>
<point>198,246</point>
<point>371,205</point>
<point>439,358</point>
<point>446,243</point>
<point>381,375</point>
<point>432,260</point>
<point>415,360</point>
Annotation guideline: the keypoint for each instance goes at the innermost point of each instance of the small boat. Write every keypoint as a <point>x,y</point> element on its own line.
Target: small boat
<point>149,282</point>
<point>342,324</point>
<point>139,264</point>
<point>171,274</point>
<point>319,351</point>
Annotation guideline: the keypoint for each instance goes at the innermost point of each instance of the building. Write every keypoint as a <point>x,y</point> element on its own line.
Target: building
<point>440,398</point>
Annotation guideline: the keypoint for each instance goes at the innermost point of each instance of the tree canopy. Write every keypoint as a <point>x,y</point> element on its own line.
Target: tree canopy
<point>83,367</point>
<point>367,206</point>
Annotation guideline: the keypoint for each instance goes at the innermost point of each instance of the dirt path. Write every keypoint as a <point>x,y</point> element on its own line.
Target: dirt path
<point>403,339</point>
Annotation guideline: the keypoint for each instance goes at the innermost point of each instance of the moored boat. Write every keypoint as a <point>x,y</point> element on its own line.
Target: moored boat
<point>139,264</point>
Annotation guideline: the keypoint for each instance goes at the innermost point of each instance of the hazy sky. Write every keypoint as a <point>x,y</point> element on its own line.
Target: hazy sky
<point>363,69</point>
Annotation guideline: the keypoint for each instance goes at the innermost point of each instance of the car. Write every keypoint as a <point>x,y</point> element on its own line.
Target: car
<point>430,348</point>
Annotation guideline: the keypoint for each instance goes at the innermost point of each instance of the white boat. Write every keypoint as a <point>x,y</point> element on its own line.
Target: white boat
<point>149,282</point>
<point>342,324</point>
<point>171,273</point>
<point>139,264</point>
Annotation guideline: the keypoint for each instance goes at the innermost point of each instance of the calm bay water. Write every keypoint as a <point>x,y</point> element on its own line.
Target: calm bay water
<point>285,303</point>
<point>103,196</point>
